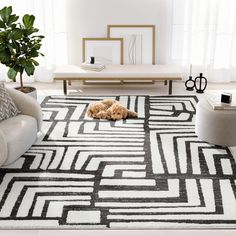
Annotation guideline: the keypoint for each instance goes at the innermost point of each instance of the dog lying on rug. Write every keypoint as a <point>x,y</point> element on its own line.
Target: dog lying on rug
<point>110,110</point>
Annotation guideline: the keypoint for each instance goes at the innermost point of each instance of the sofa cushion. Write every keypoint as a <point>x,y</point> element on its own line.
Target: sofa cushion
<point>7,106</point>
<point>3,148</point>
<point>20,133</point>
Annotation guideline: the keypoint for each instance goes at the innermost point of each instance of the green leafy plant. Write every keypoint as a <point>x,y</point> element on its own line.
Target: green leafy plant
<point>19,44</point>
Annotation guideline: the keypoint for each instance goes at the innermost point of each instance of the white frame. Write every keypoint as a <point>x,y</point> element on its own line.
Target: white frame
<point>147,33</point>
<point>116,44</point>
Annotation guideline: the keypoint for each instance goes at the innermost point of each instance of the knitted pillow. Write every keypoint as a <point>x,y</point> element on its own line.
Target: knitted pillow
<point>7,106</point>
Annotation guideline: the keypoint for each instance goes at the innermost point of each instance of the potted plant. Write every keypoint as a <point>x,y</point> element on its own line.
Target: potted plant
<point>19,46</point>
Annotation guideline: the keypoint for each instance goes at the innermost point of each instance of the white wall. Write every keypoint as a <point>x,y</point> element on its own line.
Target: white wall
<point>89,18</point>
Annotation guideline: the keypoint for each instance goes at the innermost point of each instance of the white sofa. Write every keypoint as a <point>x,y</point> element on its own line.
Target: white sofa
<point>18,133</point>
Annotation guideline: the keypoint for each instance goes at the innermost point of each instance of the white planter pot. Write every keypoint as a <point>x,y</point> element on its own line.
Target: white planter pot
<point>32,94</point>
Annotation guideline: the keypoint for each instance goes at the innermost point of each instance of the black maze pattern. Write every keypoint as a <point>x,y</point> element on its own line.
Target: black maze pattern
<point>150,172</point>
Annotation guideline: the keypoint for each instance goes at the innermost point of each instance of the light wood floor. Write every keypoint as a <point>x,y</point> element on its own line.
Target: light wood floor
<point>149,89</point>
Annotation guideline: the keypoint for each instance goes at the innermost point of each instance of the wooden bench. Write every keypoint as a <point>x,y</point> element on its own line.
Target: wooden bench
<point>119,72</point>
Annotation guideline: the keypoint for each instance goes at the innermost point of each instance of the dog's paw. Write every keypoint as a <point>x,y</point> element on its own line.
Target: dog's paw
<point>132,114</point>
<point>89,113</point>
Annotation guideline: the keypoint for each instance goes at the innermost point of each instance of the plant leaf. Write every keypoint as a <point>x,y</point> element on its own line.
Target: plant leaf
<point>2,25</point>
<point>37,46</point>
<point>15,34</point>
<point>28,21</point>
<point>12,74</point>
<point>29,68</point>
<point>2,47</point>
<point>11,49</point>
<point>16,46</point>
<point>5,13</point>
<point>12,19</point>
<point>5,56</point>
<point>33,53</point>
<point>38,37</point>
<point>19,69</point>
<point>34,62</point>
<point>2,37</point>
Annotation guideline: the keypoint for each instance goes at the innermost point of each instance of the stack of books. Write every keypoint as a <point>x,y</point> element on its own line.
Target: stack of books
<point>214,100</point>
<point>94,67</point>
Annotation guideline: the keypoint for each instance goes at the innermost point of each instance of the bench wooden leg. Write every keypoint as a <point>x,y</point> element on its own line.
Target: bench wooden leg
<point>65,87</point>
<point>69,82</point>
<point>165,82</point>
<point>170,87</point>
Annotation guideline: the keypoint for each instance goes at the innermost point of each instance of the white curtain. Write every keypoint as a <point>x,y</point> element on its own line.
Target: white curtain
<point>204,34</point>
<point>51,21</point>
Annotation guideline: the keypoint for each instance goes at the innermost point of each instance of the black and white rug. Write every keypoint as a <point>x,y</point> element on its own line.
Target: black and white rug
<point>150,172</point>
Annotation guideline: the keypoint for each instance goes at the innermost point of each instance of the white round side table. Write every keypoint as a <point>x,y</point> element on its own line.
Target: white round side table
<point>215,126</point>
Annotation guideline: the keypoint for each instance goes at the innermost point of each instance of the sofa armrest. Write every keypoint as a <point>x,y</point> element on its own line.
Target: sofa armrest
<point>27,105</point>
<point>3,149</point>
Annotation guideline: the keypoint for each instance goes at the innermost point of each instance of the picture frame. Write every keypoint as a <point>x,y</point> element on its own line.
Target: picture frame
<point>139,42</point>
<point>105,50</point>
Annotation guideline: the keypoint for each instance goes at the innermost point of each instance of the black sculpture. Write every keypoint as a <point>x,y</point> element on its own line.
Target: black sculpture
<point>189,84</point>
<point>200,86</point>
<point>92,60</point>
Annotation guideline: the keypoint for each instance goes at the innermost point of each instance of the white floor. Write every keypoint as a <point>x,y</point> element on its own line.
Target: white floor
<point>118,232</point>
<point>45,89</point>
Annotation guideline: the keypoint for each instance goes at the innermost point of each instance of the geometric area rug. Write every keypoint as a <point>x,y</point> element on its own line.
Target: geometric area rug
<point>149,173</point>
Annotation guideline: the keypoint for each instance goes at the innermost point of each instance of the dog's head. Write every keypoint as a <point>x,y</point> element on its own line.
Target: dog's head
<point>117,112</point>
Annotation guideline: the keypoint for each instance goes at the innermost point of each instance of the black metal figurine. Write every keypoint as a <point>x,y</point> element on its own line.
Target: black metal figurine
<point>189,84</point>
<point>201,85</point>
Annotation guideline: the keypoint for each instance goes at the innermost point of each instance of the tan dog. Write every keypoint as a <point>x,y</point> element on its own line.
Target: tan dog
<point>110,110</point>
